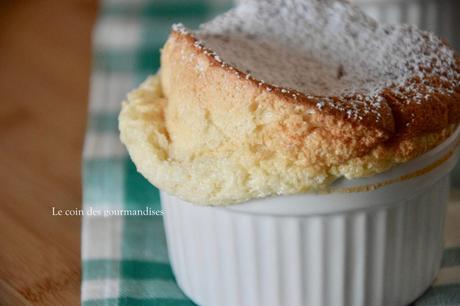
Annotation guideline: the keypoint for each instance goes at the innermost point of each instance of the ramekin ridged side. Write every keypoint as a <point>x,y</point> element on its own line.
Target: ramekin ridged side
<point>377,246</point>
<point>386,255</point>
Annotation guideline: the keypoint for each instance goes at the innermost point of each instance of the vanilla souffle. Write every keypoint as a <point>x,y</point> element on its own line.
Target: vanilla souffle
<point>270,99</point>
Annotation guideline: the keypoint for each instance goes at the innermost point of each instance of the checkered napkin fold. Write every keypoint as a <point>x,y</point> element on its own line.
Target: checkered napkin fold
<point>124,255</point>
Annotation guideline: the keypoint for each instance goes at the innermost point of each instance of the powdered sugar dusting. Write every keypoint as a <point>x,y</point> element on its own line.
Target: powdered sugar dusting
<point>328,49</point>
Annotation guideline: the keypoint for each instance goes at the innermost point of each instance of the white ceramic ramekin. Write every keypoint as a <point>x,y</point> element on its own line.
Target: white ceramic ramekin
<point>365,248</point>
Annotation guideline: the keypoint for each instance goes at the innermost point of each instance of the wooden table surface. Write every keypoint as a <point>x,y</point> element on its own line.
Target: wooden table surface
<point>45,55</point>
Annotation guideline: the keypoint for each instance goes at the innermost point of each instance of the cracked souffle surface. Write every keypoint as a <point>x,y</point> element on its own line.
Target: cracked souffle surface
<point>285,96</point>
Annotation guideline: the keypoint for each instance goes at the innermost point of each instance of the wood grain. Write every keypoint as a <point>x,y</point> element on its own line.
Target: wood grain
<point>45,53</point>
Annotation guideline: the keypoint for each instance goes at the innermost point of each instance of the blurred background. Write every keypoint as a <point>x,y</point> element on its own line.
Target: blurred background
<point>441,17</point>
<point>46,55</point>
<point>45,64</point>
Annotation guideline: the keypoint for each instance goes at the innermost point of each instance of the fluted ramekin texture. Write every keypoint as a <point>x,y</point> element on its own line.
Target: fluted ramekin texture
<point>367,248</point>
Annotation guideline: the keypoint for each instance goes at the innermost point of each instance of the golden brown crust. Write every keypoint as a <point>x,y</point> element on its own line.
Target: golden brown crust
<point>393,126</point>
<point>379,118</point>
<point>211,134</point>
<point>296,125</point>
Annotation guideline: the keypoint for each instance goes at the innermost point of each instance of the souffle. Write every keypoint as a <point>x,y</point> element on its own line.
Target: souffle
<point>271,99</point>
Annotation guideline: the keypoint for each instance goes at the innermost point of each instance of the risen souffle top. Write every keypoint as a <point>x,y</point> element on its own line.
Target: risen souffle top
<point>285,96</point>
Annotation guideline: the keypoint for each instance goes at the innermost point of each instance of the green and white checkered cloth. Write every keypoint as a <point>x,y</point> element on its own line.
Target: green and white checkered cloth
<point>124,258</point>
